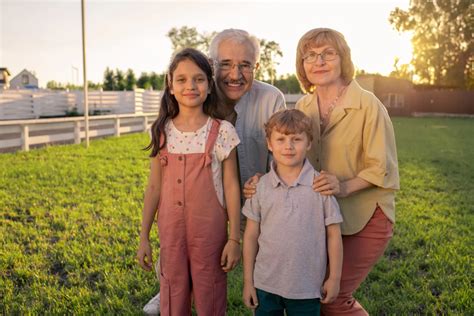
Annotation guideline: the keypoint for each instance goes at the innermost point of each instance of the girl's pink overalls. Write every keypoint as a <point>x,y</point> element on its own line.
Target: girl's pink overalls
<point>192,226</point>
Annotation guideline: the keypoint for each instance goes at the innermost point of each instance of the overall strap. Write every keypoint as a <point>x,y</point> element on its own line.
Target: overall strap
<point>211,138</point>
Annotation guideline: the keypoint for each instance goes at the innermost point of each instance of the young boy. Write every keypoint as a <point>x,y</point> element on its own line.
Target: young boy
<point>288,228</point>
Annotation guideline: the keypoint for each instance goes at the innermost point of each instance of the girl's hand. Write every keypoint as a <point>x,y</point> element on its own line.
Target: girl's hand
<point>249,296</point>
<point>250,186</point>
<point>327,184</point>
<point>230,255</point>
<point>145,259</point>
<point>330,290</point>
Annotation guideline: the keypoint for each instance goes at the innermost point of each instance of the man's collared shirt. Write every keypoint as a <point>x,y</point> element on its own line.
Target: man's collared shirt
<point>253,111</point>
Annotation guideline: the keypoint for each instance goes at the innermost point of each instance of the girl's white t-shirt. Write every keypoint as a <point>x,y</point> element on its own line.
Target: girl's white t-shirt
<point>179,142</point>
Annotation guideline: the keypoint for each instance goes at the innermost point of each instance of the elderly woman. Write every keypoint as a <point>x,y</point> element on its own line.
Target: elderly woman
<point>355,150</point>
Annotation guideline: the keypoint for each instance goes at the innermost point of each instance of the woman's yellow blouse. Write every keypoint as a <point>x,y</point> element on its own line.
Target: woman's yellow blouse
<point>358,142</point>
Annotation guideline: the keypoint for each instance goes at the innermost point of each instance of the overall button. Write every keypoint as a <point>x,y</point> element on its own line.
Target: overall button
<point>180,158</point>
<point>179,181</point>
<point>180,203</point>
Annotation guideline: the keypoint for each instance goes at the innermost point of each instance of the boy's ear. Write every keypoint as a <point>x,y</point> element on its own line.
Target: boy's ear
<point>269,145</point>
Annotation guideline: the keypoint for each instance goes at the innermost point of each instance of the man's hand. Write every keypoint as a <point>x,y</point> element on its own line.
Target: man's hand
<point>250,186</point>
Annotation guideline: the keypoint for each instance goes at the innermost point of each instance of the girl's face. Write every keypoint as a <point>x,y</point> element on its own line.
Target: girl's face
<point>323,72</point>
<point>189,85</point>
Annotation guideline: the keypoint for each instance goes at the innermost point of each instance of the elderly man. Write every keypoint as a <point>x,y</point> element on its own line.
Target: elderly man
<point>246,102</point>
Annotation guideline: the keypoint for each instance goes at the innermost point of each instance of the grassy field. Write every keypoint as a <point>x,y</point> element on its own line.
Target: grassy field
<point>70,219</point>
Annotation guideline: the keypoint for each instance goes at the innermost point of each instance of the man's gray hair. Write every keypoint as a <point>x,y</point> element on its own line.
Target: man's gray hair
<point>236,35</point>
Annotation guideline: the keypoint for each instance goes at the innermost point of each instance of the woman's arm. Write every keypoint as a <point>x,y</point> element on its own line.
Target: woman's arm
<point>231,254</point>
<point>152,197</point>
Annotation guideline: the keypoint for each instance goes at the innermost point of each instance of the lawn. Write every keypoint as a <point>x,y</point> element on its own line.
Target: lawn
<point>70,220</point>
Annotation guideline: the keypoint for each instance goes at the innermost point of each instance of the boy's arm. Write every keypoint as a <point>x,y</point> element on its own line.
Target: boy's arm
<point>152,197</point>
<point>231,253</point>
<point>252,231</point>
<point>332,283</point>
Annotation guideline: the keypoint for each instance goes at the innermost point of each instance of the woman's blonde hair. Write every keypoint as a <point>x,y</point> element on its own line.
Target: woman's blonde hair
<point>317,38</point>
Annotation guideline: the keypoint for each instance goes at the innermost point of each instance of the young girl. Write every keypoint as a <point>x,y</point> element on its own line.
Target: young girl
<point>193,171</point>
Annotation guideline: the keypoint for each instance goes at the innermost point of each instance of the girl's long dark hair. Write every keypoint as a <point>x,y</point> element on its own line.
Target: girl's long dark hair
<point>169,107</point>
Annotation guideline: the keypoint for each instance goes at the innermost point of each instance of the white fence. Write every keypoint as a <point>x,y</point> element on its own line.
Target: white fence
<point>26,134</point>
<point>33,104</point>
<point>30,132</point>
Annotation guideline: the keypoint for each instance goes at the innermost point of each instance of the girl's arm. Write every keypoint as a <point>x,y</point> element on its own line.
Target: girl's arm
<point>231,253</point>
<point>152,197</point>
<point>332,283</point>
<point>252,231</point>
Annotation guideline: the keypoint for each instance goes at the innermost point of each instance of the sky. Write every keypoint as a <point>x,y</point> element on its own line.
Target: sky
<point>44,36</point>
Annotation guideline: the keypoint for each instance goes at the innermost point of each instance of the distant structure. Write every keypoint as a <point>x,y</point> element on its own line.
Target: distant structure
<point>24,80</point>
<point>4,78</point>
<point>402,97</point>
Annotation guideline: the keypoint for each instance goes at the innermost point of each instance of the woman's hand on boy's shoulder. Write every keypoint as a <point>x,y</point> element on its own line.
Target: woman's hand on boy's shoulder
<point>326,183</point>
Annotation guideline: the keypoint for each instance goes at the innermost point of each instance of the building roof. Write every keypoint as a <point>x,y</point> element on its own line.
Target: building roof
<point>5,69</point>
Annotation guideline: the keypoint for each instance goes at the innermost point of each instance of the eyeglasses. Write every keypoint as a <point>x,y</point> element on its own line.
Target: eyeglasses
<point>326,55</point>
<point>228,66</point>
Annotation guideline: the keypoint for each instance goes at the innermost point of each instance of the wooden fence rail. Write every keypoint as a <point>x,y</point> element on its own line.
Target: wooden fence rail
<point>26,134</point>
<point>34,104</point>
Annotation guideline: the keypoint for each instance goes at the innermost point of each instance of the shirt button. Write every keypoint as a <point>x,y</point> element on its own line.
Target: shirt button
<point>179,181</point>
<point>180,203</point>
<point>180,158</point>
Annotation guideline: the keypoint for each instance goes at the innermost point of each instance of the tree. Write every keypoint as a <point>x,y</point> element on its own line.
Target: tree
<point>121,84</point>
<point>269,52</point>
<point>144,81</point>
<point>157,80</point>
<point>109,80</point>
<point>189,37</point>
<point>130,80</point>
<point>402,71</point>
<point>442,45</point>
<point>288,84</point>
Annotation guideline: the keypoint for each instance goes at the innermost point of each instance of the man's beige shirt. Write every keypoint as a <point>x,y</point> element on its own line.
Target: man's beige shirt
<point>358,142</point>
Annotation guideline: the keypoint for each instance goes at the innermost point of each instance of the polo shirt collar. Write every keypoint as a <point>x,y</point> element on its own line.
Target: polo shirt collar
<point>305,177</point>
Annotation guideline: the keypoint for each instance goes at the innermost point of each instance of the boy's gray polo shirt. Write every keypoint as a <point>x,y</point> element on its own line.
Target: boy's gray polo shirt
<point>292,256</point>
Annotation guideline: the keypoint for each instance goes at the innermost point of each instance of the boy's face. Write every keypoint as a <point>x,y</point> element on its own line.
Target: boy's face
<point>288,150</point>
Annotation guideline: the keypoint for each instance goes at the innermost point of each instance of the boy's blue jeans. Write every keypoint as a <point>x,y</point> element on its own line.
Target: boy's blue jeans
<point>274,305</point>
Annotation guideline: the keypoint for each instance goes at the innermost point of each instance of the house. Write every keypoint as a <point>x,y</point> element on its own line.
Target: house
<point>24,80</point>
<point>402,97</point>
<point>392,92</point>
<point>4,78</point>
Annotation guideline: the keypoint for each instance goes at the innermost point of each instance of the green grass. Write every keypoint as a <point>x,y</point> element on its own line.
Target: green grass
<point>70,220</point>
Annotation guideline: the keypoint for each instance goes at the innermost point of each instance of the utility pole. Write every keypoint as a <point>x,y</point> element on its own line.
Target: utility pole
<point>86,101</point>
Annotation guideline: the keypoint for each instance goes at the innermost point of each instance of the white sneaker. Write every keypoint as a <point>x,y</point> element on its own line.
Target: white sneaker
<point>153,306</point>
